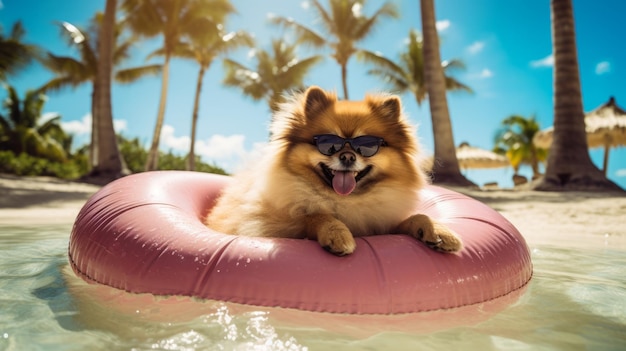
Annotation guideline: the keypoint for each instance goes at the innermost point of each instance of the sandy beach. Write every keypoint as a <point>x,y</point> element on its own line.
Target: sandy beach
<point>563,219</point>
<point>41,200</point>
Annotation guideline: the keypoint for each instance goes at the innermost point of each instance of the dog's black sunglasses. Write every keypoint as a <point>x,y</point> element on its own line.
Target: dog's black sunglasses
<point>365,145</point>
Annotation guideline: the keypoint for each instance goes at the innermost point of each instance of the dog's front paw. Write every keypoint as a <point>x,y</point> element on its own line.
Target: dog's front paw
<point>441,238</point>
<point>436,235</point>
<point>337,239</point>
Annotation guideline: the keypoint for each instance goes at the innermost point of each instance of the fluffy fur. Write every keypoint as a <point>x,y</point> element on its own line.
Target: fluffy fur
<point>289,193</point>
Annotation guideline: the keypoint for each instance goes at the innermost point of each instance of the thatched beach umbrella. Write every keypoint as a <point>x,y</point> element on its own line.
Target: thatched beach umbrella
<point>605,127</point>
<point>471,157</point>
<point>474,157</point>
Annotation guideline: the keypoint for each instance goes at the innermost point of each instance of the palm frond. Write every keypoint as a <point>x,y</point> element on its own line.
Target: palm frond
<point>130,75</point>
<point>17,31</point>
<point>327,19</point>
<point>75,36</point>
<point>58,83</point>
<point>66,65</point>
<point>453,84</point>
<point>235,40</point>
<point>232,64</point>
<point>388,10</point>
<point>380,61</point>
<point>292,75</point>
<point>156,53</point>
<point>453,65</point>
<point>51,126</point>
<point>305,35</point>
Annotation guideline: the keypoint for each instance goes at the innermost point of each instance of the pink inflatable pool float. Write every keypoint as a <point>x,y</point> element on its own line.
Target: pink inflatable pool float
<point>144,234</point>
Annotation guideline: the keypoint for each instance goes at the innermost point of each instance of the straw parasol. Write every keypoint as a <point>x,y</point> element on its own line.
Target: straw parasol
<point>474,157</point>
<point>605,127</point>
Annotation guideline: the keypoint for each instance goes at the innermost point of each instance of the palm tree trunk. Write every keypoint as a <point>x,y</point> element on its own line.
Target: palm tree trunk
<point>569,166</point>
<point>191,158</point>
<point>605,160</point>
<point>534,161</point>
<point>109,163</point>
<point>93,146</point>
<point>152,162</point>
<point>446,166</point>
<point>344,80</point>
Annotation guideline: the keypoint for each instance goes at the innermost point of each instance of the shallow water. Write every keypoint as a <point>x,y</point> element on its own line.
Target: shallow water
<point>575,301</point>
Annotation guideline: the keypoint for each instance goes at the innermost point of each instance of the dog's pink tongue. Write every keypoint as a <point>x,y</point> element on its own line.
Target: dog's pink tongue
<point>344,182</point>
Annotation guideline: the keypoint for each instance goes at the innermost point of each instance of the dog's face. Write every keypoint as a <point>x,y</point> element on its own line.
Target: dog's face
<point>346,147</point>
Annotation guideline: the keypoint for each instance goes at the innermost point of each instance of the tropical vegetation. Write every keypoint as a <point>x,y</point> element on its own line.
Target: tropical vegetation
<point>446,168</point>
<point>569,165</point>
<point>174,20</point>
<point>408,74</point>
<point>23,128</point>
<point>515,141</point>
<point>195,30</point>
<point>77,165</point>
<point>74,71</point>
<point>15,55</point>
<point>204,47</point>
<point>276,73</point>
<point>343,25</point>
<point>32,143</point>
<point>135,155</point>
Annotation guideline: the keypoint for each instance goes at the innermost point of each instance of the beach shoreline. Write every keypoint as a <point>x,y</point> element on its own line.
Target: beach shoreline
<point>35,201</point>
<point>568,219</point>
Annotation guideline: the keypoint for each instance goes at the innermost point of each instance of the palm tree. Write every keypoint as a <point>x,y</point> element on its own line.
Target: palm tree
<point>344,25</point>
<point>446,168</point>
<point>210,42</point>
<point>105,159</point>
<point>569,165</point>
<point>109,163</point>
<point>23,130</point>
<point>408,74</point>
<point>276,73</point>
<point>173,20</point>
<point>14,54</point>
<point>515,141</point>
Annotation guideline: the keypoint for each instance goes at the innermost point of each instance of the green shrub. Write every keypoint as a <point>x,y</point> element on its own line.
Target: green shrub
<point>131,150</point>
<point>26,165</point>
<point>135,157</point>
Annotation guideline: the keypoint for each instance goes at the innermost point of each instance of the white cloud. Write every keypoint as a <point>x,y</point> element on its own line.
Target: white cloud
<point>119,125</point>
<point>305,5</point>
<point>476,47</point>
<point>620,172</point>
<point>78,127</point>
<point>170,141</point>
<point>222,147</point>
<point>603,67</point>
<point>547,61</point>
<point>83,126</point>
<point>442,25</point>
<point>249,157</point>
<point>226,151</point>
<point>485,73</point>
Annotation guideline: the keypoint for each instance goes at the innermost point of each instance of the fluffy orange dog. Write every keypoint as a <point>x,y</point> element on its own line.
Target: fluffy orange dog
<point>335,170</point>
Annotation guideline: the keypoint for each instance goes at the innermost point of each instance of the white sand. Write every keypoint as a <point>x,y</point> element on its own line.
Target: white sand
<point>34,201</point>
<point>564,219</point>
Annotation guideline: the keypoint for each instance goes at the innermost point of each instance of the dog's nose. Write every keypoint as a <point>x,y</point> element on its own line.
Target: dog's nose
<point>347,158</point>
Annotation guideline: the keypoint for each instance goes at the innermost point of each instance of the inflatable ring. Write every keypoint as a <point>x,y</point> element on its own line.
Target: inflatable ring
<point>144,234</point>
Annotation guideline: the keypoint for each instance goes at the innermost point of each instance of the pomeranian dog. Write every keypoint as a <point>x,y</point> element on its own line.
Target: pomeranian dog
<point>334,170</point>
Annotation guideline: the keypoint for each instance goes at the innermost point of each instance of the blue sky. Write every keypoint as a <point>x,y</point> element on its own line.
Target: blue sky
<point>506,46</point>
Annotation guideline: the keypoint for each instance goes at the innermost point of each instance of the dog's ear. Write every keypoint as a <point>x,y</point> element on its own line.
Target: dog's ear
<point>317,100</point>
<point>387,107</point>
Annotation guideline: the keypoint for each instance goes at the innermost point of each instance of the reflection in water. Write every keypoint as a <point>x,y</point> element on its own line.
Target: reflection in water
<point>576,300</point>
